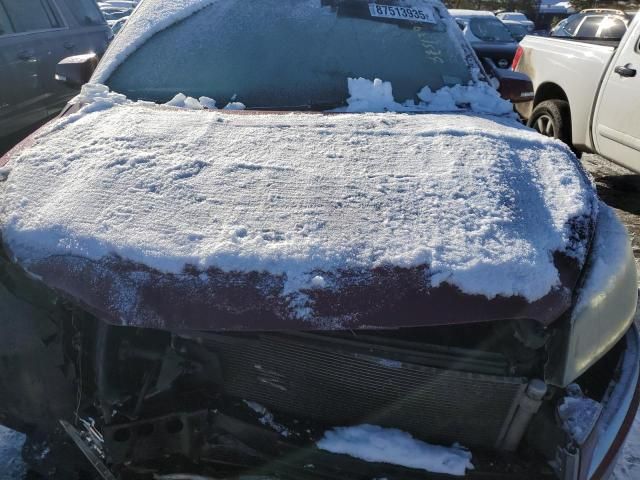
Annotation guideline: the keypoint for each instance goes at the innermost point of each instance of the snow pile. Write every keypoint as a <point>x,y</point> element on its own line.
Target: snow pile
<point>266,418</point>
<point>370,96</point>
<point>92,98</point>
<point>479,98</point>
<point>96,97</point>
<point>483,202</point>
<point>388,445</point>
<point>578,414</point>
<point>377,96</point>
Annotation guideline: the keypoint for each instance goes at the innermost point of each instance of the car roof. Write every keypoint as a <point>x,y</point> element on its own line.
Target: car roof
<point>512,22</point>
<point>470,13</point>
<point>603,10</point>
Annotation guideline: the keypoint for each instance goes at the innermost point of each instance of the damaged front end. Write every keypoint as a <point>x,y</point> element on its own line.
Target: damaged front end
<point>528,399</point>
<point>144,403</point>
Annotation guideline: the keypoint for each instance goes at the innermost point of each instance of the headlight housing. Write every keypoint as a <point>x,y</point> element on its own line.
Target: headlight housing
<point>604,307</point>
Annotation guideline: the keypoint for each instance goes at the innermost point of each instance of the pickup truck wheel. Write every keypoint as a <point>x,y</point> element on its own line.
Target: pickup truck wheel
<point>553,119</point>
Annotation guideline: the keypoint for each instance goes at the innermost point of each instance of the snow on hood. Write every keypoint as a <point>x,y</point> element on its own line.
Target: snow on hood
<point>483,202</point>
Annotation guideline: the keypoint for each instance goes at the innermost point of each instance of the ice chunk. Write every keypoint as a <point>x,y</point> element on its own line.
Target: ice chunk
<point>207,102</point>
<point>578,413</point>
<point>235,106</point>
<point>388,445</point>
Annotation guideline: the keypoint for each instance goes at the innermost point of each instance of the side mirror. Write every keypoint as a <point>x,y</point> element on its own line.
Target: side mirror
<point>514,86</point>
<point>77,70</point>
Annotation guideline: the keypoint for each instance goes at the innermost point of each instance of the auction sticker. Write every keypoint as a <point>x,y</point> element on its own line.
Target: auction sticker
<point>413,14</point>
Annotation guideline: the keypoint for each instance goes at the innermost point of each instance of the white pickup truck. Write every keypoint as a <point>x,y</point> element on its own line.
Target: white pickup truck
<point>587,93</point>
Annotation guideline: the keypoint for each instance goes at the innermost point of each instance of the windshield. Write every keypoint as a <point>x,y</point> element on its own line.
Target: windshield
<point>490,29</point>
<point>287,54</point>
<point>517,30</point>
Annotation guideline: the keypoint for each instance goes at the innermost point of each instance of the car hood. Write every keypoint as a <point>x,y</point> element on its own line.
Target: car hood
<point>169,218</point>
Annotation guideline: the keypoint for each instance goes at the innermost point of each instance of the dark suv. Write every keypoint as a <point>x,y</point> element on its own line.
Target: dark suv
<point>34,36</point>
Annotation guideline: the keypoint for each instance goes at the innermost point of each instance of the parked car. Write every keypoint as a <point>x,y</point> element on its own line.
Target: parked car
<point>488,36</point>
<point>586,93</point>
<point>34,36</point>
<point>591,24</point>
<point>519,17</point>
<point>305,282</point>
<point>517,30</point>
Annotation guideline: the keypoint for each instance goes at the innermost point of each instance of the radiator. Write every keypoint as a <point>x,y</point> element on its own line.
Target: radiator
<point>339,383</point>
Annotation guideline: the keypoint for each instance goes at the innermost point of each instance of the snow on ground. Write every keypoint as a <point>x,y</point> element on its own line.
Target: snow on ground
<point>11,466</point>
<point>628,467</point>
<point>389,445</point>
<point>481,200</point>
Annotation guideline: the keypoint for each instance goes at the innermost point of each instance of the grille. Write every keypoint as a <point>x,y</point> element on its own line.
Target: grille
<point>337,384</point>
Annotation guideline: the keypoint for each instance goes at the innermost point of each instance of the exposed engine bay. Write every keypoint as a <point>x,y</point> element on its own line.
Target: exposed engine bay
<point>144,403</point>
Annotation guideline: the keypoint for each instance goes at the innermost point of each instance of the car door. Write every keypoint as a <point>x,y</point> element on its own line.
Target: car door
<point>25,57</point>
<point>87,32</point>
<point>617,120</point>
<point>8,77</point>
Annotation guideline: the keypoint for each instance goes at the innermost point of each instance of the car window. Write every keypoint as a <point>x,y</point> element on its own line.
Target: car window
<point>612,28</point>
<point>517,29</point>
<point>490,29</point>
<point>5,24</point>
<point>86,12</point>
<point>289,54</point>
<point>31,15</point>
<point>572,24</point>
<point>589,27</point>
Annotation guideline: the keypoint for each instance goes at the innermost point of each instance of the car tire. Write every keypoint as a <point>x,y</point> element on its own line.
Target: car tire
<point>552,118</point>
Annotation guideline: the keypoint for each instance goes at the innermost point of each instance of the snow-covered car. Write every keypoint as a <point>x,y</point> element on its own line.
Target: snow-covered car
<point>361,266</point>
<point>519,17</point>
<point>489,37</point>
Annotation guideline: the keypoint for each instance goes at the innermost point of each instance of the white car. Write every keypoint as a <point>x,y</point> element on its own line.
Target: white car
<point>517,17</point>
<point>586,92</point>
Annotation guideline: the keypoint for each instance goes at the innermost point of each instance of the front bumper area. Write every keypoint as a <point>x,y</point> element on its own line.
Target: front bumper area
<point>600,451</point>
